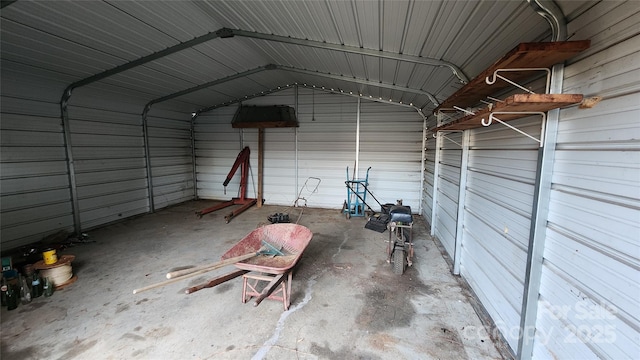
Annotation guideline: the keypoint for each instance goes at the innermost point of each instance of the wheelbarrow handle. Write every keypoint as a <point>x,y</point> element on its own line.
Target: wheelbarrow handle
<point>216,281</point>
<point>210,267</point>
<point>195,271</point>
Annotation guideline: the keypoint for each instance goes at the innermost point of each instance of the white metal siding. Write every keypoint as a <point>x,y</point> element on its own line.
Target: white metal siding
<point>391,143</point>
<point>589,298</point>
<point>34,180</point>
<point>110,166</point>
<point>499,199</point>
<point>217,146</point>
<point>448,183</point>
<point>391,139</point>
<point>171,160</point>
<point>327,144</point>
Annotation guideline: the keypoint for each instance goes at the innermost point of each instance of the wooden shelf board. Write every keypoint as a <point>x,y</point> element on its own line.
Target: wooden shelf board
<point>518,102</point>
<point>525,55</point>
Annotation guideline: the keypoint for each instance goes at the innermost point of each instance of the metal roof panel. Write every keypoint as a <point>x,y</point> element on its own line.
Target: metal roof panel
<point>83,38</point>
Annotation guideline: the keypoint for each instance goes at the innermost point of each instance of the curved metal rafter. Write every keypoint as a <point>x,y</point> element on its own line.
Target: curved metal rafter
<point>457,72</point>
<point>206,85</point>
<point>147,107</point>
<point>321,88</point>
<point>224,33</point>
<point>245,97</point>
<point>143,60</point>
<point>360,81</point>
<point>66,96</point>
<point>550,11</point>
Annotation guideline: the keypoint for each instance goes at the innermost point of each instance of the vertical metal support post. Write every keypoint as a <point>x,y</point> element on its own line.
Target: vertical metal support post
<point>537,233</point>
<point>355,171</point>
<point>66,128</point>
<point>193,156</point>
<point>422,159</point>
<point>260,165</point>
<point>147,158</point>
<point>549,10</point>
<point>296,106</point>
<point>436,175</point>
<point>462,195</point>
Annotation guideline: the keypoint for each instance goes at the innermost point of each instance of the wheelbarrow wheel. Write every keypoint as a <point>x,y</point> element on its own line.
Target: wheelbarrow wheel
<point>398,261</point>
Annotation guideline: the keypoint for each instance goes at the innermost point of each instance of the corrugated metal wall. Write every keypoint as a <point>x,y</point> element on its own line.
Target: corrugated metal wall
<point>170,153</point>
<point>35,199</point>
<point>217,145</point>
<point>497,215</point>
<point>110,165</point>
<point>448,182</point>
<point>327,143</point>
<point>589,303</point>
<point>390,143</point>
<point>108,156</point>
<point>590,283</point>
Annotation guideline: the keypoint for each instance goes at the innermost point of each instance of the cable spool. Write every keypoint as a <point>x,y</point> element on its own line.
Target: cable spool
<point>60,273</point>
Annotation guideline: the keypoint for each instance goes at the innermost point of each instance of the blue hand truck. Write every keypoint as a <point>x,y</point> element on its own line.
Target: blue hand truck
<point>357,190</point>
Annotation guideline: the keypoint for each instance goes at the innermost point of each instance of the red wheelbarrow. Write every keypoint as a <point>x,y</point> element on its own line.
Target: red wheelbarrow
<point>266,273</point>
<point>270,276</point>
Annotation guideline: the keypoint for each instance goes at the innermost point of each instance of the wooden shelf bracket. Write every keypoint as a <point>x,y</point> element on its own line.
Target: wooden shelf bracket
<point>492,117</point>
<point>514,69</point>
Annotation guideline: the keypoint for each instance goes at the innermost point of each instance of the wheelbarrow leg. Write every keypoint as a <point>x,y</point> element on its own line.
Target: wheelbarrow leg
<point>287,296</point>
<point>283,281</point>
<point>268,290</point>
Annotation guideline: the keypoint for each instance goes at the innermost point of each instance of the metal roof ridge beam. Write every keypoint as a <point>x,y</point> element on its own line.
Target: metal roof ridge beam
<point>360,81</point>
<point>351,49</point>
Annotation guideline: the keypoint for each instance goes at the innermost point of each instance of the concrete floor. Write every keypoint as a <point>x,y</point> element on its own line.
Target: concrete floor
<point>346,301</point>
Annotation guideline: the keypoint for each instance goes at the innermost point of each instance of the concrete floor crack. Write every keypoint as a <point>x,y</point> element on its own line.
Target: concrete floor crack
<point>262,352</point>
